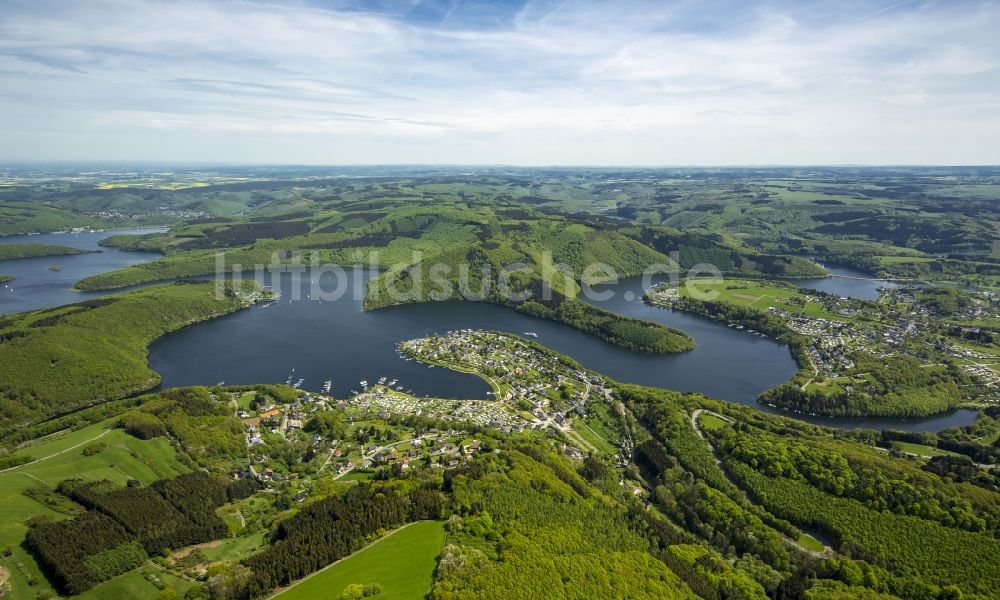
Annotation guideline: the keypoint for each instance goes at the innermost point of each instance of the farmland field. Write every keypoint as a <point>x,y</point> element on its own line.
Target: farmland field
<point>402,563</point>
<point>118,457</point>
<point>760,295</point>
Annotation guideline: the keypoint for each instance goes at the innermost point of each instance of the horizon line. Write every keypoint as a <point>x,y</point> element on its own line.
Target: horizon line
<point>176,162</point>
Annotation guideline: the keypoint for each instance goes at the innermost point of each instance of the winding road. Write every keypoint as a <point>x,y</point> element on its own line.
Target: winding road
<point>695,415</point>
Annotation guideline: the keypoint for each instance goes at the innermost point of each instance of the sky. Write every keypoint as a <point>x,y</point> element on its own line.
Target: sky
<point>538,82</point>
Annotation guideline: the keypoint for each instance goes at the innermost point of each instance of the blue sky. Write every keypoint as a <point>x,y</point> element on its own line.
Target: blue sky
<point>534,83</point>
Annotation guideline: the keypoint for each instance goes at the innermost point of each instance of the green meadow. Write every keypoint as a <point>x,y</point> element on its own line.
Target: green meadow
<point>810,543</point>
<point>92,453</point>
<point>138,584</point>
<point>921,450</point>
<point>760,295</point>
<point>402,563</point>
<point>710,422</point>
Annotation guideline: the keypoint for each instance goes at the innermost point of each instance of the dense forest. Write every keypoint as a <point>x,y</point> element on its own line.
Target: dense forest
<point>899,387</point>
<point>333,528</point>
<point>96,350</point>
<point>12,251</point>
<point>722,517</point>
<point>123,526</point>
<point>909,533</point>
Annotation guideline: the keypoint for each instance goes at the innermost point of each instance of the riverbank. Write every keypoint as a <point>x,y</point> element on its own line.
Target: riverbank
<point>94,351</point>
<point>840,374</point>
<point>16,251</point>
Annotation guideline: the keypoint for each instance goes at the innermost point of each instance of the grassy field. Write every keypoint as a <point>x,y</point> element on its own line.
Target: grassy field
<point>835,385</point>
<point>896,260</point>
<point>357,476</point>
<point>60,457</point>
<point>759,295</point>
<point>711,422</point>
<point>246,399</point>
<point>237,548</point>
<point>402,563</point>
<point>121,457</point>
<point>810,543</point>
<point>592,436</point>
<point>137,584</point>
<point>921,450</point>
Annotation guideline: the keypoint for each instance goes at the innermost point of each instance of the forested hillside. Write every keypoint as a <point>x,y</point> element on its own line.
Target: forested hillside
<point>712,501</point>
<point>435,249</point>
<point>909,532</point>
<point>12,251</point>
<point>54,361</point>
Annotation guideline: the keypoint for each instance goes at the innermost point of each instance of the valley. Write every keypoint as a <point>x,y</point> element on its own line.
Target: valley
<point>432,386</point>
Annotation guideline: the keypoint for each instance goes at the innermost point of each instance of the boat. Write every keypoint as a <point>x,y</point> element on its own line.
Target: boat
<point>364,383</point>
<point>531,334</point>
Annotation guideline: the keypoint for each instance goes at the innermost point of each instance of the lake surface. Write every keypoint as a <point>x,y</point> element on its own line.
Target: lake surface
<point>847,282</point>
<point>715,365</point>
<point>37,286</point>
<point>336,340</point>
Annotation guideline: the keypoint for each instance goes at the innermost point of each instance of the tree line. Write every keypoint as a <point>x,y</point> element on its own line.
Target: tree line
<point>122,526</point>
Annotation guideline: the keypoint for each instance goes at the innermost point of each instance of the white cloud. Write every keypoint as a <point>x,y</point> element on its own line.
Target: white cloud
<point>564,83</point>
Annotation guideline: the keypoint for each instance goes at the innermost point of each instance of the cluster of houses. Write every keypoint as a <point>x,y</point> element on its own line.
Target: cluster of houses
<point>537,391</point>
<point>540,390</point>
<point>384,402</point>
<point>441,449</point>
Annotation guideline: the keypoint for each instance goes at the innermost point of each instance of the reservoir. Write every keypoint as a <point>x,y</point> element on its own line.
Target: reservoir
<point>335,340</point>
<point>37,286</point>
<point>847,282</point>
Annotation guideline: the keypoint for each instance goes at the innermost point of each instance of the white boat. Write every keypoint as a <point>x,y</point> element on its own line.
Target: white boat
<point>531,334</point>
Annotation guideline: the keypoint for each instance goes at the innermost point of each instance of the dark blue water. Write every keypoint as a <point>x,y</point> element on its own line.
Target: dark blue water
<point>716,367</point>
<point>36,286</point>
<point>847,283</point>
<point>336,340</point>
